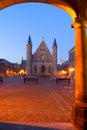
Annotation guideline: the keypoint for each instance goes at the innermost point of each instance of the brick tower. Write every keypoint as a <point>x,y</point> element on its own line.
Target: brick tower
<point>29,56</point>
<point>54,47</point>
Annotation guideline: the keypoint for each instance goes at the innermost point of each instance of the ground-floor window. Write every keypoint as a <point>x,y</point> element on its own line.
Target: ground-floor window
<point>35,69</point>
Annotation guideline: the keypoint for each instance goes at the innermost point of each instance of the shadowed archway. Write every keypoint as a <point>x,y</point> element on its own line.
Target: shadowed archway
<point>78,12</point>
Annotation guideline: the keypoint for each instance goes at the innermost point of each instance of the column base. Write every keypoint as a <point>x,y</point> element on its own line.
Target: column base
<point>79,115</point>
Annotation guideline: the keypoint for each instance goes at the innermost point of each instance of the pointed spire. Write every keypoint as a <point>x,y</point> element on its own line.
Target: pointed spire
<point>29,40</point>
<point>54,42</point>
<point>22,60</point>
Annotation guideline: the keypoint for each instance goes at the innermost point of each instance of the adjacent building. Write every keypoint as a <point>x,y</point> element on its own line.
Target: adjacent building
<point>8,68</point>
<point>71,54</point>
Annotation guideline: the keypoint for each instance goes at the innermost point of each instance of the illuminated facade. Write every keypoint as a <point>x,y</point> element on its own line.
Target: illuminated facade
<point>8,68</point>
<point>42,62</point>
<point>4,65</point>
<point>77,9</point>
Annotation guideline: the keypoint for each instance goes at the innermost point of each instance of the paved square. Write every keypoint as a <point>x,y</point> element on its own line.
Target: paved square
<point>44,101</point>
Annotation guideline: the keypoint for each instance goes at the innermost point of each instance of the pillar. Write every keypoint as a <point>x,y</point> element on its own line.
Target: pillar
<point>79,109</point>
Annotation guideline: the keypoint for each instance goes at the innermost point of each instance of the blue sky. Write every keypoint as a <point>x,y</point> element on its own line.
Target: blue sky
<point>39,20</point>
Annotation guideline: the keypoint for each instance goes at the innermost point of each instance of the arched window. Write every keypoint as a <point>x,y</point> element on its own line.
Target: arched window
<point>43,57</point>
<point>43,49</point>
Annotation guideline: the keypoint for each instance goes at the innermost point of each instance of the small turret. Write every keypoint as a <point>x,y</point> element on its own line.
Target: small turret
<point>22,60</point>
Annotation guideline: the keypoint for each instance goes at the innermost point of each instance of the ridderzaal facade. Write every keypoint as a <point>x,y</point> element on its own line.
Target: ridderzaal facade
<point>42,62</point>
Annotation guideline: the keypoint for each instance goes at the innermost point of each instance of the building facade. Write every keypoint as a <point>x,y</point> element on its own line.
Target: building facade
<point>71,54</point>
<point>4,65</point>
<point>8,68</point>
<point>42,62</point>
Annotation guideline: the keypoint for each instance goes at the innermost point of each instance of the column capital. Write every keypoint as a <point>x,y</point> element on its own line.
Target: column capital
<point>79,22</point>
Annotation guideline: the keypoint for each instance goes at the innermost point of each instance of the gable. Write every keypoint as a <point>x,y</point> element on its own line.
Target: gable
<point>43,48</point>
<point>41,51</point>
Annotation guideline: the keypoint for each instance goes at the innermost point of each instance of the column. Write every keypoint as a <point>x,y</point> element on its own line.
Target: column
<point>79,110</point>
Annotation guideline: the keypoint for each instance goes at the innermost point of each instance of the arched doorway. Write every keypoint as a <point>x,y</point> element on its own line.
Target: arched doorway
<point>79,17</point>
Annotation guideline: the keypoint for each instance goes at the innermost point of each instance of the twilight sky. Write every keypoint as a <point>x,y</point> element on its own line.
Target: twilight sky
<point>40,21</point>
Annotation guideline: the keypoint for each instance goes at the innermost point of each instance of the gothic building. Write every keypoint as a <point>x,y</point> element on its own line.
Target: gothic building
<point>42,62</point>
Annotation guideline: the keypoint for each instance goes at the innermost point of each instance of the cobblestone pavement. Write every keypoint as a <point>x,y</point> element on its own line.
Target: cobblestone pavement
<point>44,101</point>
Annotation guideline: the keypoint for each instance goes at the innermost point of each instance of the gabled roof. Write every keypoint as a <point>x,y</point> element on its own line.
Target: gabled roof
<point>3,60</point>
<point>72,49</point>
<point>43,48</point>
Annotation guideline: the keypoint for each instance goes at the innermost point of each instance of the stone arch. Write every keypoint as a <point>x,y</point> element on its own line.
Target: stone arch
<point>63,4</point>
<point>78,12</point>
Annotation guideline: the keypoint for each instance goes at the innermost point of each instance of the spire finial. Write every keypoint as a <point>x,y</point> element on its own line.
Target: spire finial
<point>22,60</point>
<point>29,40</point>
<point>54,42</point>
